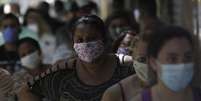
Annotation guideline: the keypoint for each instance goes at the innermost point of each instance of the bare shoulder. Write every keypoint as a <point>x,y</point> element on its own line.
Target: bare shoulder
<point>135,82</point>
<point>112,94</point>
<point>130,80</point>
<point>130,84</point>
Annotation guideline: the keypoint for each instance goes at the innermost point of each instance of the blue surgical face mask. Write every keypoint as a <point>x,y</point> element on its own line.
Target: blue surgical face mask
<point>176,76</point>
<point>10,35</point>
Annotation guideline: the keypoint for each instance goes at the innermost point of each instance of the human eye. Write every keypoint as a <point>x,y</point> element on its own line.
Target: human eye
<point>172,59</point>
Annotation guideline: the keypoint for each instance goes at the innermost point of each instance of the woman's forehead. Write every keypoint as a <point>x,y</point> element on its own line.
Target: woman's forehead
<point>86,29</point>
<point>26,45</point>
<point>177,45</point>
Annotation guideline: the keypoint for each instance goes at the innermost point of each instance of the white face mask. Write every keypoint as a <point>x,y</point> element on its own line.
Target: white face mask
<point>176,76</point>
<point>141,70</point>
<point>33,27</point>
<point>31,61</point>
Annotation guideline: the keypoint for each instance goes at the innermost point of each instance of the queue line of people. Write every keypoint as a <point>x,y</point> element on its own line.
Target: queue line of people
<point>89,59</point>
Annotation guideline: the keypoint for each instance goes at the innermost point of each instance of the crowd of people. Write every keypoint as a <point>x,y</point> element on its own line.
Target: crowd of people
<point>77,56</point>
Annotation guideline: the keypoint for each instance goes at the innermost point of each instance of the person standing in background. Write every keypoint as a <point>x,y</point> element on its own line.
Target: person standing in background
<point>31,62</point>
<point>36,27</point>
<point>118,22</point>
<point>10,27</point>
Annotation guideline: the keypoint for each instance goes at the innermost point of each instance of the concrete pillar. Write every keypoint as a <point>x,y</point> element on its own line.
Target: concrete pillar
<point>105,8</point>
<point>183,13</point>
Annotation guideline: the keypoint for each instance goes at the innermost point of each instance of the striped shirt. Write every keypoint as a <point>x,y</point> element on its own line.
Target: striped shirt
<point>61,83</point>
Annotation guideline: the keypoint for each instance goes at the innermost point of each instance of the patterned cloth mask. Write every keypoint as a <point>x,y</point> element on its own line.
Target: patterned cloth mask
<point>89,51</point>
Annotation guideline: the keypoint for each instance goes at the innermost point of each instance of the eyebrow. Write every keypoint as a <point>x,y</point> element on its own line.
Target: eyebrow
<point>175,54</point>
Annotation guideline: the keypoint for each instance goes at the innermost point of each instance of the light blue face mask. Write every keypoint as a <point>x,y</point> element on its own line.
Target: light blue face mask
<point>176,76</point>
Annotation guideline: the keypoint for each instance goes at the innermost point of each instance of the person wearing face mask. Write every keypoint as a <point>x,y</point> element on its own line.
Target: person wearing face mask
<point>31,61</point>
<point>37,28</point>
<point>10,28</point>
<point>86,7</point>
<point>171,58</point>
<point>34,25</point>
<point>118,22</point>
<point>132,85</point>
<point>86,77</point>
